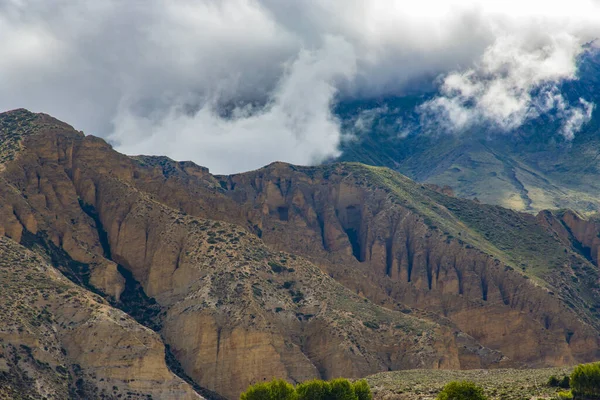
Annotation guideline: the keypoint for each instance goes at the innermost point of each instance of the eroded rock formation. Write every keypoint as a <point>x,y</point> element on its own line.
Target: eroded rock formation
<point>295,272</point>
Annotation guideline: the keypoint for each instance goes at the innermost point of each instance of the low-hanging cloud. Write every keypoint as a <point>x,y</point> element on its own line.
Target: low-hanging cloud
<point>235,84</point>
<point>295,125</point>
<point>512,83</point>
<point>575,117</point>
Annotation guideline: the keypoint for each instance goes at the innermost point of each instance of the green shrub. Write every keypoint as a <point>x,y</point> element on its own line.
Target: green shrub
<point>564,395</point>
<point>371,324</point>
<point>565,382</point>
<point>341,389</point>
<point>280,389</point>
<point>585,381</point>
<point>362,390</point>
<point>461,391</point>
<point>276,267</point>
<point>313,390</point>
<point>553,381</point>
<point>275,390</point>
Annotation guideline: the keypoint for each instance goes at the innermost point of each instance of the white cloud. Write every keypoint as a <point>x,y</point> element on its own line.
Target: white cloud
<point>506,85</point>
<point>155,76</point>
<point>576,117</point>
<point>295,125</point>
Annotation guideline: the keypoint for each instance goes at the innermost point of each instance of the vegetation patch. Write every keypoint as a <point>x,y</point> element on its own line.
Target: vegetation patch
<point>463,390</point>
<point>371,324</point>
<point>337,389</point>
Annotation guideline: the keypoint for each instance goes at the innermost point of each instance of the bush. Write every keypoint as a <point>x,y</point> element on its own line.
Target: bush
<point>275,390</point>
<point>564,395</point>
<point>461,391</point>
<point>260,391</point>
<point>585,381</point>
<point>553,381</point>
<point>371,324</point>
<point>276,267</point>
<point>280,389</point>
<point>563,383</point>
<point>362,390</point>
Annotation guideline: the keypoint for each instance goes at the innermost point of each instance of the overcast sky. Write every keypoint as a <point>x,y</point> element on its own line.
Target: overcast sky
<point>236,84</point>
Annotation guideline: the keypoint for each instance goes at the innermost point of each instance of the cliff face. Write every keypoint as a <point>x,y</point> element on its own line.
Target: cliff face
<point>404,246</point>
<point>419,252</point>
<point>295,272</point>
<point>582,233</point>
<point>58,341</point>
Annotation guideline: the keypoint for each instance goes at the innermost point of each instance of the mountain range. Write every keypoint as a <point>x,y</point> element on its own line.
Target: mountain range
<point>144,277</point>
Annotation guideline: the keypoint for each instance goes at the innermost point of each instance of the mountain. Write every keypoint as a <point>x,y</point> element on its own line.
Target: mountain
<point>527,169</point>
<point>143,276</point>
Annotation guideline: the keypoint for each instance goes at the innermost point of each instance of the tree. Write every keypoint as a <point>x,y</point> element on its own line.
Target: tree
<point>275,390</point>
<point>313,390</point>
<point>260,391</point>
<point>362,390</point>
<point>461,391</point>
<point>341,389</point>
<point>585,381</point>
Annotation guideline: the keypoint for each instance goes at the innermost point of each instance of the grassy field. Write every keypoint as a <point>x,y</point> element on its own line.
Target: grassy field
<point>502,384</point>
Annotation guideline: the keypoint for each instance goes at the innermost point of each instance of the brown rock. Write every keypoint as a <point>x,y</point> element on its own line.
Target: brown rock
<point>60,341</point>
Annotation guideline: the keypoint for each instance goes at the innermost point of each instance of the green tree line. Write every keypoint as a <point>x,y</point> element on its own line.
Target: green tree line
<point>337,389</point>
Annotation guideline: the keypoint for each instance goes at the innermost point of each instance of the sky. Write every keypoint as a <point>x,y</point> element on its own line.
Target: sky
<point>236,84</point>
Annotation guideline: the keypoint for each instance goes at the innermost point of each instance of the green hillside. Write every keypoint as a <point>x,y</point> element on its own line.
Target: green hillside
<point>529,169</point>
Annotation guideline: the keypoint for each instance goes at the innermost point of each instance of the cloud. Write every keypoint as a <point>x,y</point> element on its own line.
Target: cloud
<point>512,82</point>
<point>295,125</point>
<point>234,84</point>
<point>575,117</point>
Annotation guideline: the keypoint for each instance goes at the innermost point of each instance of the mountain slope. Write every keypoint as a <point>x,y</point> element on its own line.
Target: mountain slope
<point>58,341</point>
<point>231,310</point>
<point>461,260</point>
<point>298,272</point>
<point>400,243</point>
<point>528,169</point>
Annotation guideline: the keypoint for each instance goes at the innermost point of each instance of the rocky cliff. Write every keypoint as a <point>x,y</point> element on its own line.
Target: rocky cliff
<point>58,341</point>
<point>295,272</point>
<point>473,264</point>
